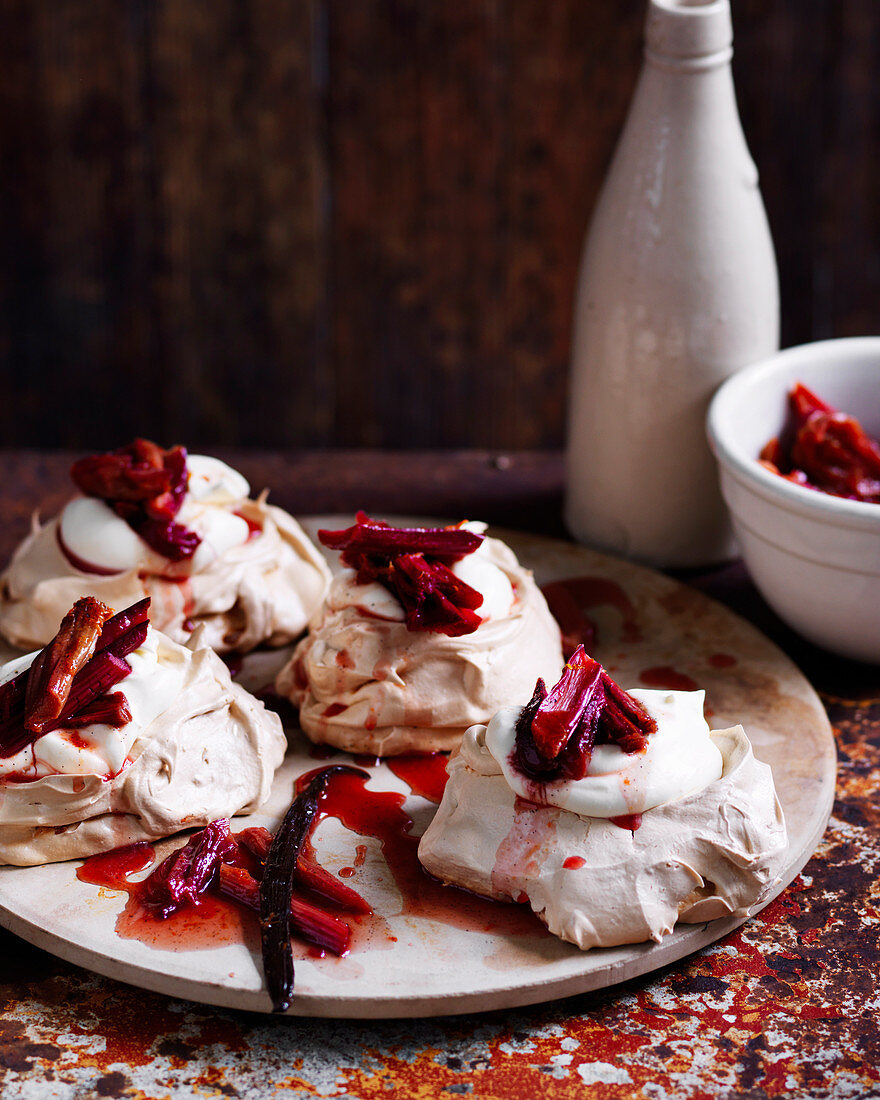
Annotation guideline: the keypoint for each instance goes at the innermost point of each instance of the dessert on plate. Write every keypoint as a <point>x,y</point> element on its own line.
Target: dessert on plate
<point>113,733</point>
<point>614,814</point>
<point>424,632</point>
<point>176,527</point>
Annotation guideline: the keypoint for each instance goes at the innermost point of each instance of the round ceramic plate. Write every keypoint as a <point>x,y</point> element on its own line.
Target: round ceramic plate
<point>649,629</point>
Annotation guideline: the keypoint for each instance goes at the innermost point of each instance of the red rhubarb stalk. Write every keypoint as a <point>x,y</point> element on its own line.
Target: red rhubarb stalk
<point>52,674</point>
<point>310,921</point>
<point>556,731</point>
<point>185,875</point>
<point>309,873</point>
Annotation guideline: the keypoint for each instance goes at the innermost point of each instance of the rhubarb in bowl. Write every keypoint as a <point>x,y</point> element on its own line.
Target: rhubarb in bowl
<point>814,555</point>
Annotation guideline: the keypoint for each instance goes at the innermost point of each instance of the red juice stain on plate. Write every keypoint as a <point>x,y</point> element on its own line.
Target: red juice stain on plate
<point>574,863</point>
<point>664,676</point>
<point>360,857</point>
<point>380,814</point>
<point>214,922</point>
<point>722,660</point>
<point>569,601</point>
<point>424,774</point>
<point>113,868</point>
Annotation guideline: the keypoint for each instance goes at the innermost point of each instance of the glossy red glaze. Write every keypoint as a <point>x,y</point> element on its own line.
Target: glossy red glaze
<point>380,814</point>
<point>425,775</point>
<point>113,868</point>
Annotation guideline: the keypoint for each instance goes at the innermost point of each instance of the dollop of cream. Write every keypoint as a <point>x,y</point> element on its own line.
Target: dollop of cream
<point>680,758</point>
<point>476,569</point>
<point>93,532</point>
<point>257,580</point>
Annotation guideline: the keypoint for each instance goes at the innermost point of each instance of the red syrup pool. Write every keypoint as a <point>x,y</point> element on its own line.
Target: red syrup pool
<point>425,775</point>
<point>380,814</point>
<point>664,676</point>
<point>569,601</point>
<point>214,922</point>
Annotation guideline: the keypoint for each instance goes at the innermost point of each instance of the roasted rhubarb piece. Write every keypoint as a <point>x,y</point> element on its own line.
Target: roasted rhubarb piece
<point>309,873</point>
<point>186,874</point>
<point>821,448</point>
<point>51,675</point>
<point>413,564</point>
<point>276,888</point>
<point>78,700</point>
<point>145,485</point>
<point>557,729</point>
<point>310,921</point>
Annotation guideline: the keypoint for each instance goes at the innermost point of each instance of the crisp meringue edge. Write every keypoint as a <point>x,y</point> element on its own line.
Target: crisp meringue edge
<point>491,806</point>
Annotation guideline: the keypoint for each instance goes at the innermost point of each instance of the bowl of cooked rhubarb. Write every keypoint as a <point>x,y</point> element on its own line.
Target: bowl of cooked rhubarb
<point>797,438</point>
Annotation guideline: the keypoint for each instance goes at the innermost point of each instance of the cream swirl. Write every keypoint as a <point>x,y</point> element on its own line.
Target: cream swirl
<point>93,532</point>
<point>680,759</point>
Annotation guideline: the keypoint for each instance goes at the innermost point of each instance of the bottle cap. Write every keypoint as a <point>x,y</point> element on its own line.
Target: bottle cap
<point>688,29</point>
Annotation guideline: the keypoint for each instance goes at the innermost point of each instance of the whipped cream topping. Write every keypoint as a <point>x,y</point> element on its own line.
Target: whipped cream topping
<point>680,758</point>
<point>99,749</point>
<point>92,531</point>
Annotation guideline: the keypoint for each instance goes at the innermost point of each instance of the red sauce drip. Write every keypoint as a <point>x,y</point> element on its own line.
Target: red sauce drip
<point>663,676</point>
<point>722,660</point>
<point>113,868</point>
<point>332,710</point>
<point>380,814</point>
<point>360,857</point>
<point>344,659</point>
<point>570,600</point>
<point>574,863</point>
<point>627,821</point>
<point>254,528</point>
<point>425,775</point>
<point>364,760</point>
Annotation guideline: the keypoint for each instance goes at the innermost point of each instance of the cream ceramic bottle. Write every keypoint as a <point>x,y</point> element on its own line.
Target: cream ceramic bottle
<point>677,290</point>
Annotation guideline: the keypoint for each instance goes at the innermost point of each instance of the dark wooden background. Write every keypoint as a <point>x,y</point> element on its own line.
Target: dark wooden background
<point>357,222</point>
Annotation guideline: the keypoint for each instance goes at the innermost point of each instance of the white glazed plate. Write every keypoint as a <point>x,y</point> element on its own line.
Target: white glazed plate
<point>433,968</point>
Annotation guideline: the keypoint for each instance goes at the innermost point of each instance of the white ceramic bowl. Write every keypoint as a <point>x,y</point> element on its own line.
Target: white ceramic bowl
<point>814,557</point>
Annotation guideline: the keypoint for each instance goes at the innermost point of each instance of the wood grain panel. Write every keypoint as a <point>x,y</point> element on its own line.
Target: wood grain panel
<point>336,223</point>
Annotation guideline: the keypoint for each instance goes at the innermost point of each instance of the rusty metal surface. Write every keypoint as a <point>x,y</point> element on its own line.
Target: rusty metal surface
<point>788,1006</point>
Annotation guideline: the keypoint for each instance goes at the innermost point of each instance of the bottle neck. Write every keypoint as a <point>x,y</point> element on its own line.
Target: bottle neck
<point>704,63</point>
<point>688,36</point>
